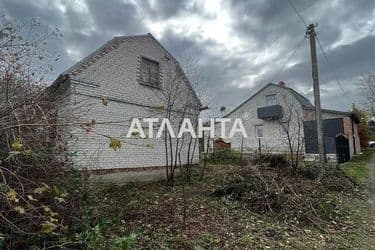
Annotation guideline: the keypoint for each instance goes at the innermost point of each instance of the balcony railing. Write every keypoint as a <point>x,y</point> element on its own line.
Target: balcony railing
<point>273,112</point>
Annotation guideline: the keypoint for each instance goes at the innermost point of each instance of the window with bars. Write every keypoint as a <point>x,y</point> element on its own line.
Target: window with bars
<point>150,73</point>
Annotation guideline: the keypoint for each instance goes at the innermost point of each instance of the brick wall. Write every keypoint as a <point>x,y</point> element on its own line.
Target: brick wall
<point>114,76</point>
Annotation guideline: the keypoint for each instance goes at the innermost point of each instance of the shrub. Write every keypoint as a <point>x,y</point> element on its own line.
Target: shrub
<point>270,160</point>
<point>309,171</point>
<point>226,156</point>
<point>289,197</point>
<point>126,242</point>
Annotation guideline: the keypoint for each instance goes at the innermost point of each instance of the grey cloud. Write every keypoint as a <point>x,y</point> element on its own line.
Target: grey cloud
<point>216,72</point>
<point>165,9</point>
<point>113,16</point>
<point>265,26</point>
<point>25,10</point>
<point>344,62</point>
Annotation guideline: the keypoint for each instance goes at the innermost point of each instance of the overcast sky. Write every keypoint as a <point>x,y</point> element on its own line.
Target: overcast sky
<point>241,44</point>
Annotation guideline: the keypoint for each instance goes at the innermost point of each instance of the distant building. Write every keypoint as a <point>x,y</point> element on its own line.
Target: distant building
<point>276,112</point>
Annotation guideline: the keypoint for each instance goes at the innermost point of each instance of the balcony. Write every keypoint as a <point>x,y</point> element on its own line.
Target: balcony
<point>273,112</point>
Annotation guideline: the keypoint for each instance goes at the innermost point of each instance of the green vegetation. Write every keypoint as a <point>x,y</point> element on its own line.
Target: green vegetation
<point>244,207</point>
<point>239,207</point>
<point>357,167</point>
<point>270,160</point>
<point>372,133</point>
<point>226,156</point>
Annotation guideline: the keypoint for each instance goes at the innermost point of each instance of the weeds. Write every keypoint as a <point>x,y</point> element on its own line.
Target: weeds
<point>274,192</point>
<point>357,169</point>
<point>226,157</point>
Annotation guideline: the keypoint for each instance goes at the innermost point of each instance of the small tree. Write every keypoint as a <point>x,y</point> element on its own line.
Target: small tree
<point>363,128</point>
<point>176,101</point>
<point>292,131</point>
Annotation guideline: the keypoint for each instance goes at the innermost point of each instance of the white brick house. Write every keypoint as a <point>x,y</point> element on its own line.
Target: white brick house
<point>264,117</point>
<point>125,78</point>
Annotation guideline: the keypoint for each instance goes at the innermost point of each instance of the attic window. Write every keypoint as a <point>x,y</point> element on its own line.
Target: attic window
<point>150,73</point>
<point>271,100</point>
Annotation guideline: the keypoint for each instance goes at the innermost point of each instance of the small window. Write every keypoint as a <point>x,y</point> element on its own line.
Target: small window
<point>259,131</point>
<point>271,100</point>
<point>149,72</point>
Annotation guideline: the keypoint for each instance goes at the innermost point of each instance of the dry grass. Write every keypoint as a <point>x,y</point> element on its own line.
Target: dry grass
<point>155,213</point>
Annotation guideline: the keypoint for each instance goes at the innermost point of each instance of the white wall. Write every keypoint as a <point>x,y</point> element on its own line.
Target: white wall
<point>273,135</point>
<point>115,76</point>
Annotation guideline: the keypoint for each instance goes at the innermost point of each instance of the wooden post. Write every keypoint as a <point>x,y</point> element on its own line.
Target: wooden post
<point>318,113</point>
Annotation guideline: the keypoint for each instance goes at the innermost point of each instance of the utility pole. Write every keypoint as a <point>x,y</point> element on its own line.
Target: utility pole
<point>310,32</point>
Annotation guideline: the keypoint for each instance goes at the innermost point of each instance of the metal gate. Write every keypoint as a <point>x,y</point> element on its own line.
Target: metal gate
<point>342,149</point>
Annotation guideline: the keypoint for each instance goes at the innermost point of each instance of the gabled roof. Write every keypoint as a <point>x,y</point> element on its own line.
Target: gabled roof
<point>112,44</point>
<point>300,98</point>
<point>92,58</point>
<point>303,100</point>
<point>306,104</point>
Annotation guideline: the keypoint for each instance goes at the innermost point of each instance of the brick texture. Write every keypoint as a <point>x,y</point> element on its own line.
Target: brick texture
<point>113,75</point>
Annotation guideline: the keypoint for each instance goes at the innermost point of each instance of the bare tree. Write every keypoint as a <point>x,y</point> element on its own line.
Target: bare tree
<point>176,101</point>
<point>24,59</point>
<point>367,83</point>
<point>291,126</point>
<point>29,139</point>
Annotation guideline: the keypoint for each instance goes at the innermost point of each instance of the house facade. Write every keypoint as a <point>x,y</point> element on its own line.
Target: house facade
<point>128,77</point>
<point>277,118</point>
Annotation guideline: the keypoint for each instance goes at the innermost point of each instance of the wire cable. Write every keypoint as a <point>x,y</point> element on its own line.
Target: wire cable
<point>319,43</point>
<point>288,59</point>
<point>326,58</point>
<point>295,10</point>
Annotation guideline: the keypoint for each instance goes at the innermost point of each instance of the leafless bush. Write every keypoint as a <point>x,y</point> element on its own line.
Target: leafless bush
<point>367,83</point>
<point>33,201</point>
<point>292,131</point>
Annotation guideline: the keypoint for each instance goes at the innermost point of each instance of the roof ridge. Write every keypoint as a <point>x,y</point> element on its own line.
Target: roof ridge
<point>91,58</point>
<point>306,102</point>
<point>114,43</point>
<point>298,93</point>
<point>99,53</point>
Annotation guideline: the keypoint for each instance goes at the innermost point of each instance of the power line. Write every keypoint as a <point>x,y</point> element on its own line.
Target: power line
<point>288,59</point>
<point>295,10</point>
<point>320,45</point>
<point>326,58</point>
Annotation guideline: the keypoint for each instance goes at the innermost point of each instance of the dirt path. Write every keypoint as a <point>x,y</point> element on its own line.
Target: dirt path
<point>372,201</point>
<point>368,240</point>
<point>372,188</point>
<point>372,179</point>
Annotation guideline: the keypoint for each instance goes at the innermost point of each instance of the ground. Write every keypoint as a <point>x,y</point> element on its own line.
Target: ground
<point>370,242</point>
<point>159,216</point>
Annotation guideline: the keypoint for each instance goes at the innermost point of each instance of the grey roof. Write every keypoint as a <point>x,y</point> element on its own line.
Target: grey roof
<point>331,111</point>
<point>303,100</point>
<point>306,104</point>
<point>105,48</point>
